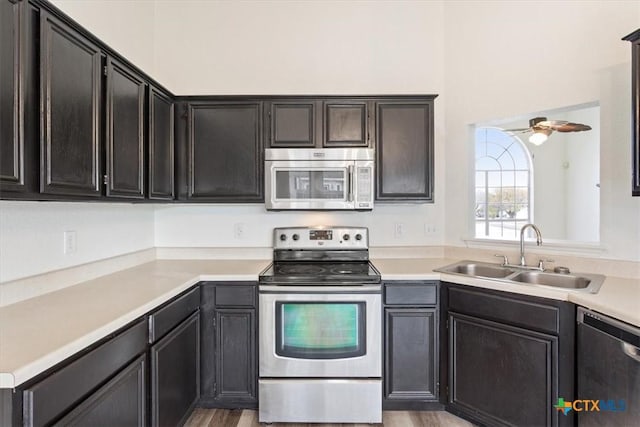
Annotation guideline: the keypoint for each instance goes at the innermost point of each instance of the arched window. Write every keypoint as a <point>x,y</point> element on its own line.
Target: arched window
<point>503,184</point>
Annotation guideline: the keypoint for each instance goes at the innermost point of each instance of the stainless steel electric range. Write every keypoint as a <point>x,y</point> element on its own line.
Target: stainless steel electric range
<point>320,328</point>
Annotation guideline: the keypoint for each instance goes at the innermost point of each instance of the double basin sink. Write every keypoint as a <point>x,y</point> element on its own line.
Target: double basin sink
<point>579,282</point>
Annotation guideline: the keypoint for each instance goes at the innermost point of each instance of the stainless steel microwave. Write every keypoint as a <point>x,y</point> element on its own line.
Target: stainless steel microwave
<point>319,179</point>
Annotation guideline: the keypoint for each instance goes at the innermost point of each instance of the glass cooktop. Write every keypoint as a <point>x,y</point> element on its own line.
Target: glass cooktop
<point>320,273</point>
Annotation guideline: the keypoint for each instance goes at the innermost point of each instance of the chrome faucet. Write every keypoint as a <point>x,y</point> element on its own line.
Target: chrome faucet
<point>538,241</point>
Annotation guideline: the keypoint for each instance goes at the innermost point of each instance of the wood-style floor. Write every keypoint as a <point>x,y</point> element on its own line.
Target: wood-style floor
<point>248,418</point>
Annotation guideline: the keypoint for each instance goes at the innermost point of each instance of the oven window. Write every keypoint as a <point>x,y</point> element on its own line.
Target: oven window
<point>310,330</point>
<point>311,184</point>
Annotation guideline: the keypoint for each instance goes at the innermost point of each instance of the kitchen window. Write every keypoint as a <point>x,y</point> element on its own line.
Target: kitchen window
<point>503,184</point>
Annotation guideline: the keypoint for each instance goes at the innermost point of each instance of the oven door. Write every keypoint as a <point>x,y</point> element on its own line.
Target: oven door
<point>308,184</point>
<point>314,331</point>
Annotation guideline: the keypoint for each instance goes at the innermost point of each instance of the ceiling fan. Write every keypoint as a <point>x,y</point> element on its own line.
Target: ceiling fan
<point>542,128</point>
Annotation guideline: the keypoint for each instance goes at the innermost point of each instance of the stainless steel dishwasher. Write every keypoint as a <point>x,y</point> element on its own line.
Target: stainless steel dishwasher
<point>608,371</point>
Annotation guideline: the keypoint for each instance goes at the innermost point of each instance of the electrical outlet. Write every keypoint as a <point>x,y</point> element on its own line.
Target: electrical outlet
<point>238,230</point>
<point>70,242</point>
<point>398,230</point>
<point>429,229</point>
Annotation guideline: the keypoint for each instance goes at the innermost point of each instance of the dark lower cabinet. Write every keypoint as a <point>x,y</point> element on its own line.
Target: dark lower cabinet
<point>106,386</point>
<point>404,149</point>
<point>225,152</point>
<point>175,373</point>
<point>71,88</point>
<point>125,134</point>
<point>495,366</point>
<point>411,349</point>
<point>509,357</point>
<point>120,402</point>
<point>229,346</point>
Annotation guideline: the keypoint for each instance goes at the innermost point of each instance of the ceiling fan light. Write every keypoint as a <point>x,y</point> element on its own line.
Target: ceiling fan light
<point>539,136</point>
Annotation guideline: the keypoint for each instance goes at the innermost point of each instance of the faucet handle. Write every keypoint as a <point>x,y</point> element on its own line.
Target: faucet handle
<point>542,261</point>
<point>505,260</point>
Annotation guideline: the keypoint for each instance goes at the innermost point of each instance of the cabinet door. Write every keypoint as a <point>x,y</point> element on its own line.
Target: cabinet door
<point>161,137</point>
<point>120,402</point>
<point>70,96</point>
<point>225,152</point>
<point>292,124</point>
<point>410,354</point>
<point>346,124</point>
<point>175,373</point>
<point>404,154</point>
<point>502,375</point>
<point>235,356</point>
<point>125,131</point>
<point>634,38</point>
<point>11,99</point>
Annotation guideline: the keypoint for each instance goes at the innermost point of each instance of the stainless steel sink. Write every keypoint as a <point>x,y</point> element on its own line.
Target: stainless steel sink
<point>551,279</point>
<point>577,282</point>
<point>480,270</point>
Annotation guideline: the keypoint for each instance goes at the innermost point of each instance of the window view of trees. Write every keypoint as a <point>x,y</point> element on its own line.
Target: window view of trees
<point>502,184</point>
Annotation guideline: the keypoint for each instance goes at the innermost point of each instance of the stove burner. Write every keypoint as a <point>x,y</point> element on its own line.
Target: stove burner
<point>299,269</point>
<point>340,270</point>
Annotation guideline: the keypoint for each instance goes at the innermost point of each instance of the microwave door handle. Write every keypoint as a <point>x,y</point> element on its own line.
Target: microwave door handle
<point>351,183</point>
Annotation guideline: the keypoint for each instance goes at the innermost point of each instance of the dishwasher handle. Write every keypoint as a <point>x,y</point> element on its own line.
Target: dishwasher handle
<point>631,351</point>
<point>627,335</point>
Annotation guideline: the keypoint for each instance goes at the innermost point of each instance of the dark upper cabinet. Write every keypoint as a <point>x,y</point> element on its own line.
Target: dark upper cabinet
<point>161,145</point>
<point>125,139</point>
<point>225,151</point>
<point>292,123</point>
<point>634,38</point>
<point>317,123</point>
<point>346,123</point>
<point>11,98</point>
<point>404,150</point>
<point>229,364</point>
<point>70,96</point>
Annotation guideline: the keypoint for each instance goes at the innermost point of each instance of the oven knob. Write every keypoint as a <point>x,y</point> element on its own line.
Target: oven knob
<point>358,236</point>
<point>346,237</point>
<point>295,237</point>
<point>283,237</point>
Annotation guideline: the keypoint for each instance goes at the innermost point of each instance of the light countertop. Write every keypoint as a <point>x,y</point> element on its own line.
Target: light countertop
<point>40,332</point>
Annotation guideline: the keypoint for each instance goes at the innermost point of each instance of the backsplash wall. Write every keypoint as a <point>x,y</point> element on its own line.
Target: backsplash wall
<point>252,226</point>
<point>32,242</point>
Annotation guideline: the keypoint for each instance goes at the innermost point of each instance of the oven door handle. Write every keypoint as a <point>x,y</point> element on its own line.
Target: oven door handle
<point>320,290</point>
<point>351,182</point>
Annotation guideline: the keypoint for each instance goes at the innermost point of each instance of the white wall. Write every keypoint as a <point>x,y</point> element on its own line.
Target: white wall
<point>214,226</point>
<point>299,47</point>
<point>506,59</point>
<point>127,26</point>
<point>583,179</point>
<point>31,234</point>
<point>284,47</point>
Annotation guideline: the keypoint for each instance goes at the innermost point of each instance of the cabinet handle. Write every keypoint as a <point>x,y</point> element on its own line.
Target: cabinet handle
<point>351,167</point>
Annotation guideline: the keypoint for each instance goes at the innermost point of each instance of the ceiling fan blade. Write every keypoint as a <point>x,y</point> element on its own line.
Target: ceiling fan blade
<point>572,127</point>
<point>551,123</point>
<point>519,130</point>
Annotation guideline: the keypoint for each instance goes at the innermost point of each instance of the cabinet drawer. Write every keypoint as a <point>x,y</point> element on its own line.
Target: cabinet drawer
<point>407,293</point>
<point>51,397</point>
<point>165,319</point>
<point>236,295</point>
<point>528,314</point>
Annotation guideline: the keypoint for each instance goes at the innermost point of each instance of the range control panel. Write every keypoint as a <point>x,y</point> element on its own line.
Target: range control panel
<point>321,238</point>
